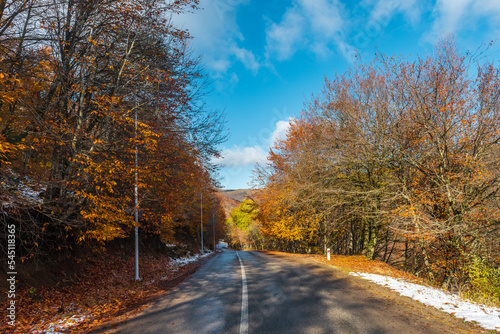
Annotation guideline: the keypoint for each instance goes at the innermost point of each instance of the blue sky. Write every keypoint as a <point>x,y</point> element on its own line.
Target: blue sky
<point>266,58</point>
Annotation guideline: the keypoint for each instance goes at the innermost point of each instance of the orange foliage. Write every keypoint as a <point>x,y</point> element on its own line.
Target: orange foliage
<point>396,159</point>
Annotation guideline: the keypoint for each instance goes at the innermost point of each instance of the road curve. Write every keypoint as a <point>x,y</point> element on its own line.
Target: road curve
<point>282,297</point>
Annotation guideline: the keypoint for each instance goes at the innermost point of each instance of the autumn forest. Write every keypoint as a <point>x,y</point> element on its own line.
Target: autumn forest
<point>397,160</point>
<point>103,121</point>
<point>85,85</point>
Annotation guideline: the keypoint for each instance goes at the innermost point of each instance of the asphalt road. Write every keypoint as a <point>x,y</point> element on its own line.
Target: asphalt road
<point>250,292</point>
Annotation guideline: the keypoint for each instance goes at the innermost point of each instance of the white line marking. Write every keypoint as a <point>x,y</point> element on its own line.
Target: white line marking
<point>244,299</point>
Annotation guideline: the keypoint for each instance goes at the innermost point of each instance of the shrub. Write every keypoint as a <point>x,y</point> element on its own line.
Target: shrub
<point>484,280</point>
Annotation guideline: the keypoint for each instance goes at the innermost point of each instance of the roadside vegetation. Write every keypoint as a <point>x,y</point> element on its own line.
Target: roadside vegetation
<point>102,114</point>
<point>99,294</point>
<point>96,98</point>
<point>396,160</point>
<point>242,229</point>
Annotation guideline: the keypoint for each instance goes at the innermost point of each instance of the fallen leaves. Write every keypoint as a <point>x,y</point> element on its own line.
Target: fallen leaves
<point>105,291</point>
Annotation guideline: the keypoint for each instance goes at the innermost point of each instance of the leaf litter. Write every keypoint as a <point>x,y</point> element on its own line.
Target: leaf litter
<point>105,292</point>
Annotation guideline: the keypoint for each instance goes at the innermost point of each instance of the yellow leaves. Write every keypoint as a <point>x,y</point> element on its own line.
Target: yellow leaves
<point>6,147</point>
<point>77,129</point>
<point>104,232</point>
<point>8,88</point>
<point>6,98</point>
<point>115,100</point>
<point>8,150</point>
<point>90,40</point>
<point>404,211</point>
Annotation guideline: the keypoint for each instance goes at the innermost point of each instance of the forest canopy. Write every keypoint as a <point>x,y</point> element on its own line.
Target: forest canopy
<point>91,93</point>
<point>397,159</point>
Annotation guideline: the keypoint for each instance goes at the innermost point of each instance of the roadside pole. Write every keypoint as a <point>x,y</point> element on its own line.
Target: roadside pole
<point>136,202</point>
<point>201,222</point>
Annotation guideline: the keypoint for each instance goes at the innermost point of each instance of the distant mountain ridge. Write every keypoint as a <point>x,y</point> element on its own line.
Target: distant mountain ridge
<point>237,194</point>
<point>232,198</point>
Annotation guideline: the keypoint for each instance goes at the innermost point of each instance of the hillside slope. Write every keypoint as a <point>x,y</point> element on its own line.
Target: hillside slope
<point>231,198</point>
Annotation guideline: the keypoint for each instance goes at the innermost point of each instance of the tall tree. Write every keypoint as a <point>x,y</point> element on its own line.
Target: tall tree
<point>88,85</point>
<point>394,156</point>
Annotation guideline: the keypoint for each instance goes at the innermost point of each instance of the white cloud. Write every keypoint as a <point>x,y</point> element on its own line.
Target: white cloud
<point>383,11</point>
<point>281,129</point>
<point>347,50</point>
<point>241,156</point>
<point>282,39</point>
<point>449,14</point>
<point>488,7</point>
<point>411,9</point>
<point>317,25</point>
<point>234,79</point>
<point>217,35</point>
<point>452,16</point>
<point>247,58</point>
<point>324,16</point>
<point>219,66</point>
<point>375,19</point>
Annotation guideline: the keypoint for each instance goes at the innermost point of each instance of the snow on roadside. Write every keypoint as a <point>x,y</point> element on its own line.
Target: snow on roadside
<point>180,262</point>
<point>486,317</point>
<point>188,259</point>
<point>20,190</point>
<point>61,325</point>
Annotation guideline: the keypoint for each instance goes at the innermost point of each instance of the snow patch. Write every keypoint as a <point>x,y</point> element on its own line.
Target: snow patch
<point>62,325</point>
<point>20,190</point>
<point>180,262</point>
<point>486,317</point>
<point>29,193</point>
<point>185,260</point>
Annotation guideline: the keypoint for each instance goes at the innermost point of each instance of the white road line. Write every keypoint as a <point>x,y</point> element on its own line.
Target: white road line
<point>244,299</point>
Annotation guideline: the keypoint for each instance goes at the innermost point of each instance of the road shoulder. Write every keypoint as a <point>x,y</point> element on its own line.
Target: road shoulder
<point>142,305</point>
<point>414,310</point>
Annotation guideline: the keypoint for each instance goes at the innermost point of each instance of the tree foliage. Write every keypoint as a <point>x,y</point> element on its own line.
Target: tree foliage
<point>85,87</point>
<point>397,160</point>
<point>244,214</point>
<point>241,226</point>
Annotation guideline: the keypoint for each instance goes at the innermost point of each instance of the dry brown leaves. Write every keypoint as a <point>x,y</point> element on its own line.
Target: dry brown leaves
<point>106,291</point>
